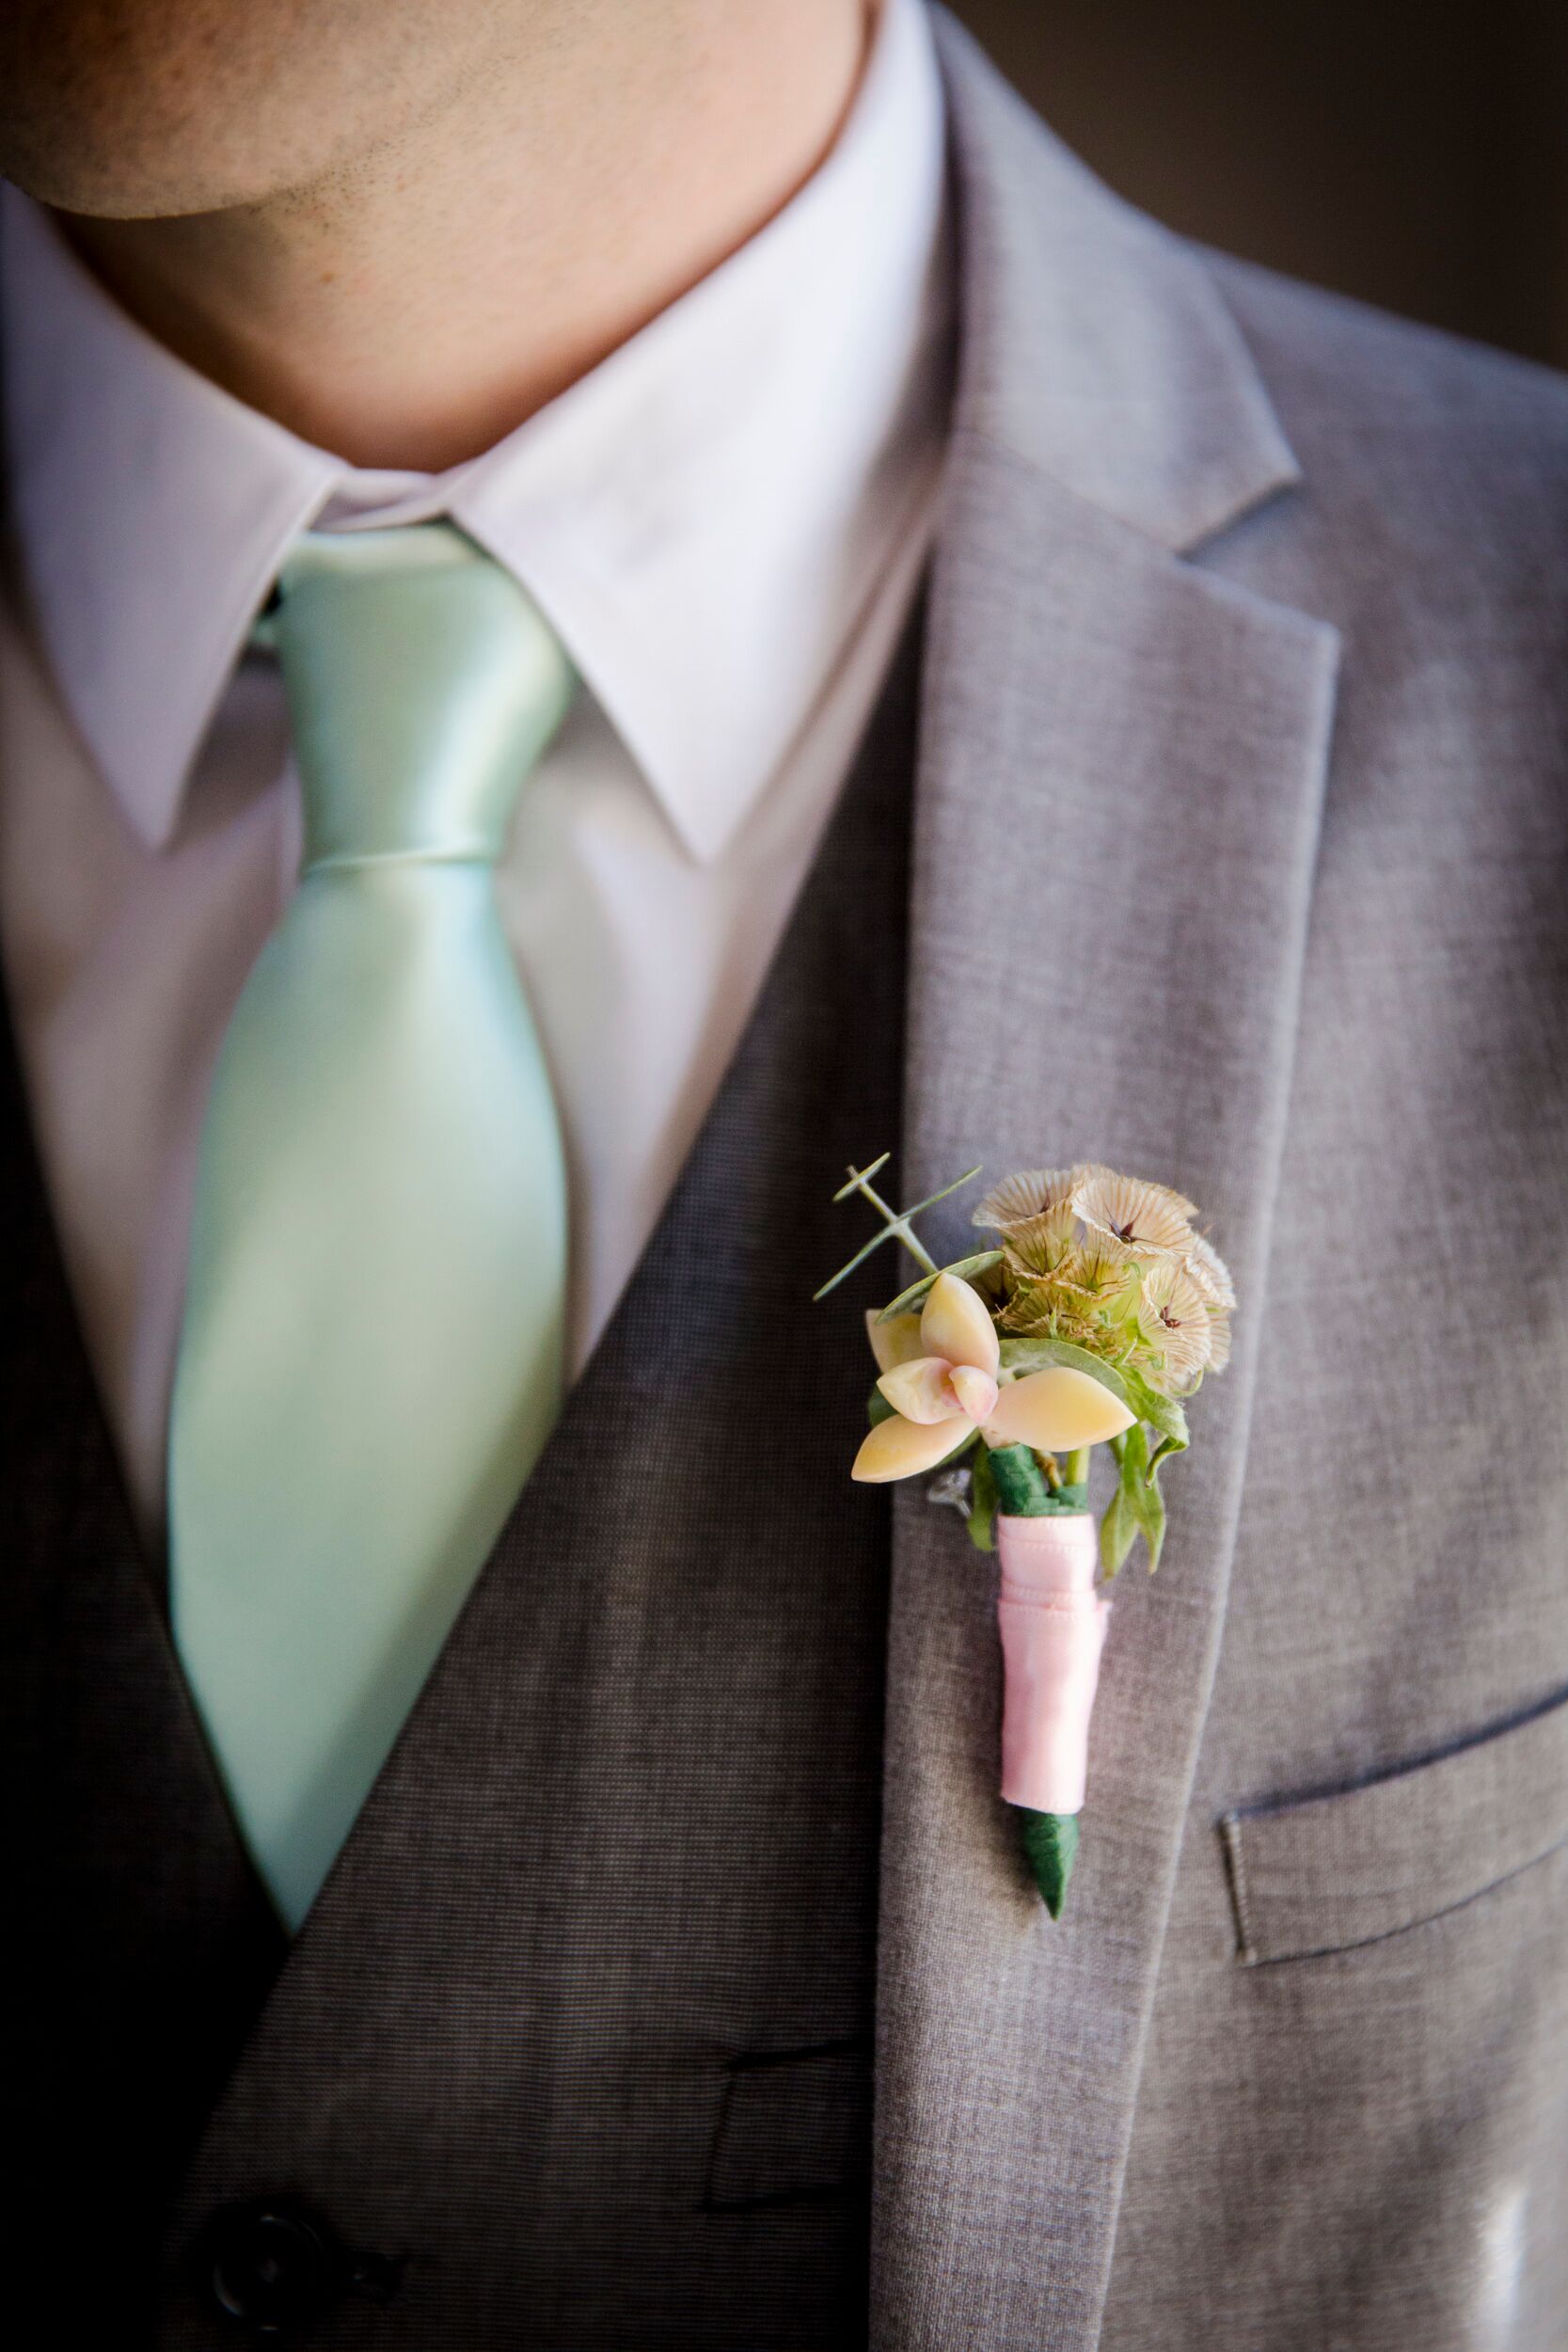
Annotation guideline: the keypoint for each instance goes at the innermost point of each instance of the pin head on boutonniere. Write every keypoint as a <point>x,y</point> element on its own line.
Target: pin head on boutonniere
<point>1091,1318</point>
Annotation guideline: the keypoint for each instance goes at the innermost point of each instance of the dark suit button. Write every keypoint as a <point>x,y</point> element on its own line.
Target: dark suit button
<point>271,2264</point>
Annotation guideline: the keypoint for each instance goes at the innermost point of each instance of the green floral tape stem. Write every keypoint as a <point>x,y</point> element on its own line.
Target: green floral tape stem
<point>1024,1489</point>
<point>1051,1842</point>
<point>1021,1489</point>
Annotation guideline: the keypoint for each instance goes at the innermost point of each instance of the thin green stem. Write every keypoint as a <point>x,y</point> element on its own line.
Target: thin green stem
<point>899,1226</point>
<point>1075,1469</point>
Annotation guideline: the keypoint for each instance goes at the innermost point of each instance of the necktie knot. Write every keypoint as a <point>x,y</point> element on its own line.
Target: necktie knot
<point>423,683</point>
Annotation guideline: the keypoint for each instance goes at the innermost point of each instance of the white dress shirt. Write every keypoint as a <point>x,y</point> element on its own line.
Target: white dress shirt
<point>725,521</point>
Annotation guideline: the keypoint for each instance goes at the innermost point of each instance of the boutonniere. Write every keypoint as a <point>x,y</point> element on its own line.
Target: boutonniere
<point>1091,1320</point>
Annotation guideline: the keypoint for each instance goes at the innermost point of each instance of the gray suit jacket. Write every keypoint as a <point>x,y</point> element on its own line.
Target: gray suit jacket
<point>1240,855</point>
<point>1239,838</point>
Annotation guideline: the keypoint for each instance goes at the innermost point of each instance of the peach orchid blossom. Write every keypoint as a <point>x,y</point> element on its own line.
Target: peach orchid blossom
<point>940,1371</point>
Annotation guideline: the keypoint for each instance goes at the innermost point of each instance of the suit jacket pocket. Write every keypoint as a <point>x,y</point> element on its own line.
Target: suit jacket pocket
<point>1322,1873</point>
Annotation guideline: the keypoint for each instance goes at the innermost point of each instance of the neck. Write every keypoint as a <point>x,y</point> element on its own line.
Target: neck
<point>410,306</point>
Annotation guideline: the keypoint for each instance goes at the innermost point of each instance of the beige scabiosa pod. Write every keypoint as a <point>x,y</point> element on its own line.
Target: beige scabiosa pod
<point>1019,1201</point>
<point>951,1388</point>
<point>1177,1327</point>
<point>1148,1219</point>
<point>1209,1272</point>
<point>1211,1275</point>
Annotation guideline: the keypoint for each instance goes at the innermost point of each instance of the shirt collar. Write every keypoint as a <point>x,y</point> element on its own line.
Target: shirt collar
<point>701,517</point>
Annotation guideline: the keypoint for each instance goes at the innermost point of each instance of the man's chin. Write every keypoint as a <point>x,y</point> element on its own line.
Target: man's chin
<point>145,109</point>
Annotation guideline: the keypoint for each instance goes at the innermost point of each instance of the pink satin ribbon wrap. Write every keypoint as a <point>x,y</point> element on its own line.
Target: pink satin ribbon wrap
<point>1053,1631</point>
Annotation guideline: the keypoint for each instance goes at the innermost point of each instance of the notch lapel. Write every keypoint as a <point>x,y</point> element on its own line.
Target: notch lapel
<point>1122,766</point>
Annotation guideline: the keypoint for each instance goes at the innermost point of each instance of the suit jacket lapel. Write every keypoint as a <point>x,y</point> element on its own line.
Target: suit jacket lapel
<point>1122,764</point>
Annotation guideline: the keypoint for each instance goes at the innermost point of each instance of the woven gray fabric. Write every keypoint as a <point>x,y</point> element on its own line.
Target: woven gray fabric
<point>1239,837</point>
<point>1239,861</point>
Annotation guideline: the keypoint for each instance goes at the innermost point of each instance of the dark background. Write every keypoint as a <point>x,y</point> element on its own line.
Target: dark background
<point>1415,157</point>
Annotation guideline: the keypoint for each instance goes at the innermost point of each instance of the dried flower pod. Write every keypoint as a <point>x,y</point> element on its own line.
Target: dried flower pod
<point>1176,1328</point>
<point>1038,1192</point>
<point>1040,1244</point>
<point>1211,1275</point>
<point>1143,1217</point>
<point>1098,1268</point>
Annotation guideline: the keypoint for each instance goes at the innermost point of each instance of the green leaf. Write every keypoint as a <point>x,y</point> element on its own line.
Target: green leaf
<point>878,1408</point>
<point>1051,1842</point>
<point>1162,1413</point>
<point>1139,1492</point>
<point>1131,1452</point>
<point>1119,1532</point>
<point>1148,1509</point>
<point>983,1503</point>
<point>980,1264</point>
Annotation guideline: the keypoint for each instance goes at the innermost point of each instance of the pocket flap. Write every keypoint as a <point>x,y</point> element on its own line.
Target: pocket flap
<point>1318,1874</point>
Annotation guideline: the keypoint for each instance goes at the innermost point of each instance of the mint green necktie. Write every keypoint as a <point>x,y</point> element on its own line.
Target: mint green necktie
<point>370,1358</point>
